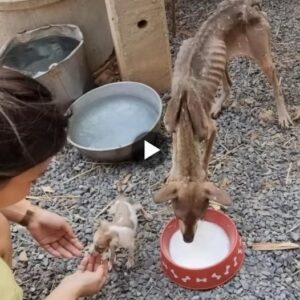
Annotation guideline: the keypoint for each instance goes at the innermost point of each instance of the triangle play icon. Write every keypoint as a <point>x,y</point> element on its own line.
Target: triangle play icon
<point>149,150</point>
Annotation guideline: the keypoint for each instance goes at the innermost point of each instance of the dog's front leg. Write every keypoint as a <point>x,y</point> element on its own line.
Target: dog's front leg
<point>113,258</point>
<point>130,261</point>
<point>208,147</point>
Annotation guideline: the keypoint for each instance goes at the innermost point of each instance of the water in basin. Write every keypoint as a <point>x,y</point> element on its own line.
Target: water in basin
<point>36,56</point>
<point>211,244</point>
<point>113,122</point>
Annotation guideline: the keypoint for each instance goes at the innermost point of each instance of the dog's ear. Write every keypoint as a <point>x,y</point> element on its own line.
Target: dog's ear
<point>168,192</point>
<point>216,194</point>
<point>172,113</point>
<point>197,115</point>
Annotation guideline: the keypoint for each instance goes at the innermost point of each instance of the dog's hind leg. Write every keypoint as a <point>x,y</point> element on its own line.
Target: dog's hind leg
<point>259,38</point>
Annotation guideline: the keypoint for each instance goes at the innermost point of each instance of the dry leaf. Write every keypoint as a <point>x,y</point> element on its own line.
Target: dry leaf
<point>23,256</point>
<point>266,115</point>
<point>275,246</point>
<point>225,182</point>
<point>277,136</point>
<point>249,101</point>
<point>47,189</point>
<point>126,179</point>
<point>253,135</point>
<point>266,184</point>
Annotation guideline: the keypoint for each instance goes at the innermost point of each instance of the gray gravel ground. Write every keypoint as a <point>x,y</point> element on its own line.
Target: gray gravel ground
<point>251,157</point>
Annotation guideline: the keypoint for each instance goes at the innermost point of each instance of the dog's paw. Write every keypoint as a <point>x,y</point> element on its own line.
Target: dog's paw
<point>110,266</point>
<point>216,110</point>
<point>284,118</point>
<point>285,121</point>
<point>129,264</point>
<point>90,249</point>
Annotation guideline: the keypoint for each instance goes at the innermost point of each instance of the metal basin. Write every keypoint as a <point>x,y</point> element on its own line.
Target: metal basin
<point>53,55</point>
<point>109,121</point>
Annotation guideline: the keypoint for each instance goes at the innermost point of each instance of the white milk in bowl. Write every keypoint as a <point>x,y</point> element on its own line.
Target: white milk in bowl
<point>211,244</point>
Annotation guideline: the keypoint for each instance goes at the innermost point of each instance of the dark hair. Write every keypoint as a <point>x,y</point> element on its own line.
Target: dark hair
<point>32,127</point>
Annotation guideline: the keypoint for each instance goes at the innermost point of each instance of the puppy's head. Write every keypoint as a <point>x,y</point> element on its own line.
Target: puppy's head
<point>190,201</point>
<point>104,238</point>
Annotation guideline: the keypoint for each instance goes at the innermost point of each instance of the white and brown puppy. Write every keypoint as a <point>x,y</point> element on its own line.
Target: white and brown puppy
<point>120,233</point>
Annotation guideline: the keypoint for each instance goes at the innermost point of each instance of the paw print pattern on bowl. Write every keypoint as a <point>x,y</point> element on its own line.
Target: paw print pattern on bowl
<point>210,277</point>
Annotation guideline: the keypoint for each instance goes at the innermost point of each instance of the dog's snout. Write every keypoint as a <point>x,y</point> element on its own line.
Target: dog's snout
<point>188,238</point>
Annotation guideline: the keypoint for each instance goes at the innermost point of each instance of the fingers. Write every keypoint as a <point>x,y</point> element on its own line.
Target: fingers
<point>91,263</point>
<point>71,237</point>
<point>102,271</point>
<point>52,251</point>
<point>76,243</point>
<point>61,250</point>
<point>69,246</point>
<point>83,264</point>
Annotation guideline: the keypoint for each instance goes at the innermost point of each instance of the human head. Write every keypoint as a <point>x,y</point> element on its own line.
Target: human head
<point>32,130</point>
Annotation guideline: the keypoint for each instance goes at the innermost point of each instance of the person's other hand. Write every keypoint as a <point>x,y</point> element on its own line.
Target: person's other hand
<point>54,234</point>
<point>90,276</point>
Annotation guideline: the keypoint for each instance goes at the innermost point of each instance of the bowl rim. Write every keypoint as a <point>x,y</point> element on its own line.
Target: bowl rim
<point>157,96</point>
<point>233,244</point>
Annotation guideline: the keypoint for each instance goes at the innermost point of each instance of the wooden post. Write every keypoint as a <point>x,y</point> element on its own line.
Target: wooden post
<point>141,40</point>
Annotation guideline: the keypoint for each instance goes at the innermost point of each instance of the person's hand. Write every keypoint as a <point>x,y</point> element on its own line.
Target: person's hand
<point>90,276</point>
<point>54,234</point>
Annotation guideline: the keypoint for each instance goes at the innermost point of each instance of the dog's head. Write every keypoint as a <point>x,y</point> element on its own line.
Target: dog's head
<point>190,201</point>
<point>104,238</point>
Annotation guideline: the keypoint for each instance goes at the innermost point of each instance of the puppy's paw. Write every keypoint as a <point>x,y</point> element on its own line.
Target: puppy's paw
<point>91,249</point>
<point>110,266</point>
<point>105,256</point>
<point>129,264</point>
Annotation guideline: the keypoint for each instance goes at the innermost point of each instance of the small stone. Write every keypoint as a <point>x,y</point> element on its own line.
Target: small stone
<point>23,257</point>
<point>45,262</point>
<point>88,230</point>
<point>295,236</point>
<point>289,280</point>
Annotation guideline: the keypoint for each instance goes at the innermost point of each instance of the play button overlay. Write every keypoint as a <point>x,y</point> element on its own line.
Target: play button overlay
<point>149,150</point>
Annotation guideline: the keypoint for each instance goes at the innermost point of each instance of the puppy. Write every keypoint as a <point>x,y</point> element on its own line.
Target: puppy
<point>120,233</point>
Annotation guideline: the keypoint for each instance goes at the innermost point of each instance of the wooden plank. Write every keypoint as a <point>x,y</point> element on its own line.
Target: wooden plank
<point>140,34</point>
<point>275,246</point>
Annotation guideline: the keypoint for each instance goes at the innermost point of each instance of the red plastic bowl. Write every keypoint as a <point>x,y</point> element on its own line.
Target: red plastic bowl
<point>212,276</point>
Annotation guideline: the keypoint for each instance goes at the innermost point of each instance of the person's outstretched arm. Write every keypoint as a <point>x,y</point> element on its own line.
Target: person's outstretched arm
<point>86,281</point>
<point>50,230</point>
